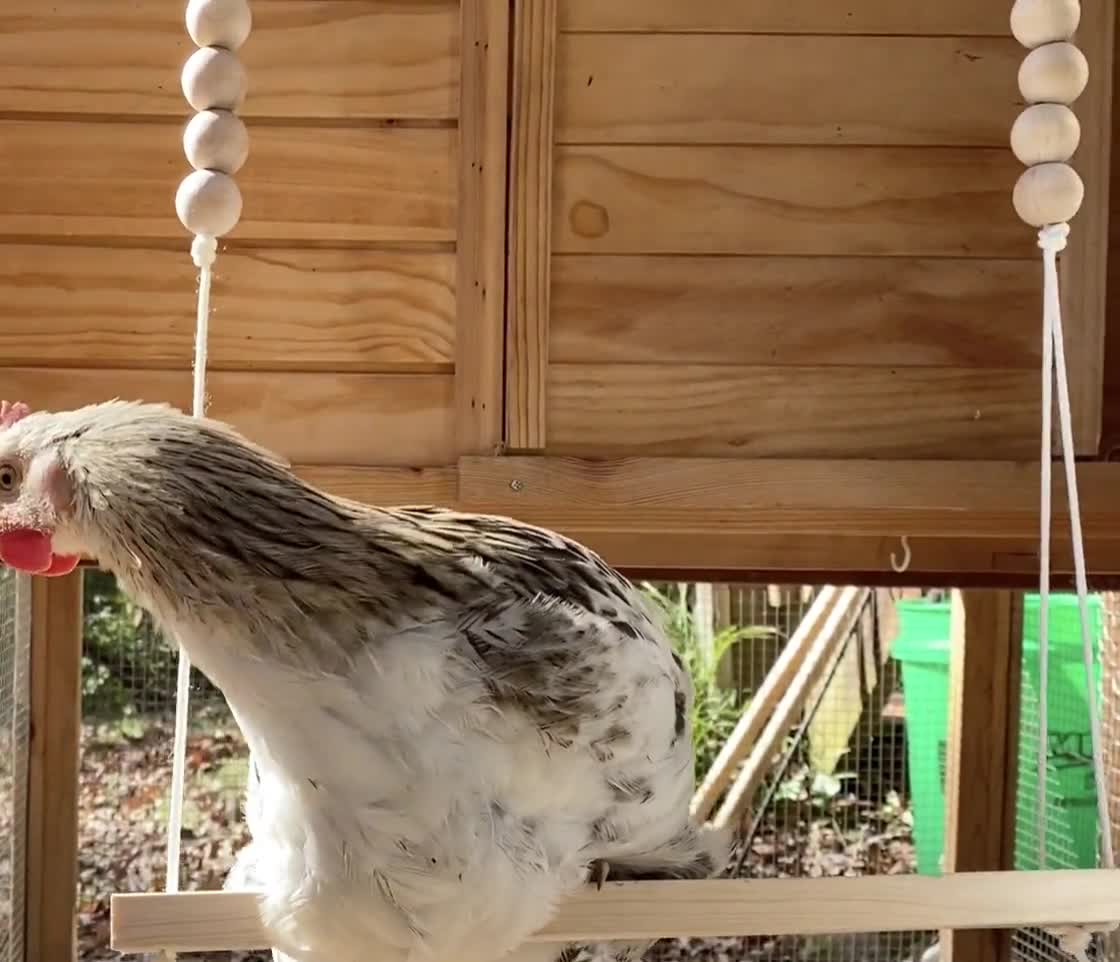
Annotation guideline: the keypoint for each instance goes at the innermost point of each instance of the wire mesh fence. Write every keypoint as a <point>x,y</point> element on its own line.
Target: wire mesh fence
<point>15,627</point>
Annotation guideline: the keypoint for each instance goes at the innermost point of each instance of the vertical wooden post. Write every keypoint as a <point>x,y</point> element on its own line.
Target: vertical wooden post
<point>52,794</point>
<point>530,221</point>
<point>480,244</point>
<point>982,752</point>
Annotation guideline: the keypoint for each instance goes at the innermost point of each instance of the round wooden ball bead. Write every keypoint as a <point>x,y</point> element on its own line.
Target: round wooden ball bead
<point>1045,133</point>
<point>1048,194</point>
<point>219,23</point>
<point>1035,22</point>
<point>213,78</point>
<point>208,203</point>
<point>1055,73</point>
<point>216,140</point>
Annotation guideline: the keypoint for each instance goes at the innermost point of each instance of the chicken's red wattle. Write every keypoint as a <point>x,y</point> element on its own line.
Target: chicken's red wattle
<point>26,549</point>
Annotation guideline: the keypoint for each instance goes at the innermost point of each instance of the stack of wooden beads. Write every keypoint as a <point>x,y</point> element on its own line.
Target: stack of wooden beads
<point>1046,134</point>
<point>215,141</point>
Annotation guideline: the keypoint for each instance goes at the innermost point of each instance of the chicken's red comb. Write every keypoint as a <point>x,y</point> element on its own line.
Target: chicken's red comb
<point>12,412</point>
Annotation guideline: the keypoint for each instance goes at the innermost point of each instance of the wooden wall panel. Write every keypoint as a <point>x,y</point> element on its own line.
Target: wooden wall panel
<point>795,310</point>
<point>612,410</point>
<point>963,17</point>
<point>306,58</point>
<point>274,309</point>
<point>353,184</point>
<point>324,419</point>
<point>787,200</point>
<point>737,88</point>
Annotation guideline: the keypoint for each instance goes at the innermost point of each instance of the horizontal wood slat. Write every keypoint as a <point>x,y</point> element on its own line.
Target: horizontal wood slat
<point>386,486</point>
<point>314,419</point>
<point>681,88</point>
<point>306,58</point>
<point>787,200</point>
<point>976,499</point>
<point>964,17</point>
<point>612,410</point>
<point>274,309</point>
<point>330,184</point>
<point>798,310</point>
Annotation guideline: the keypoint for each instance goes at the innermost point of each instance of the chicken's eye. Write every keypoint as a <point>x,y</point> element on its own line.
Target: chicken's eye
<point>9,478</point>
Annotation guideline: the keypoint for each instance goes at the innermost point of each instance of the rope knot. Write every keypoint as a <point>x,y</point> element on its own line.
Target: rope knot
<point>1053,237</point>
<point>204,251</point>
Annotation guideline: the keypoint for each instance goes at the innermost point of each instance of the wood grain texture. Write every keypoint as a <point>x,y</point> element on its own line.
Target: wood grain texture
<point>530,222</point>
<point>1084,267</point>
<point>791,497</point>
<point>306,58</point>
<point>956,17</point>
<point>331,184</point>
<point>52,774</point>
<point>1110,415</point>
<point>273,309</point>
<point>386,486</point>
<point>482,226</point>
<point>787,200</point>
<point>204,921</point>
<point>794,310</point>
<point>617,410</point>
<point>750,89</point>
<point>981,755</point>
<point>314,419</point>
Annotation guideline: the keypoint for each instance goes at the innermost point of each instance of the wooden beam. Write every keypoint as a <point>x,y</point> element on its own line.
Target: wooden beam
<point>634,911</point>
<point>480,273</point>
<point>1084,266</point>
<point>860,498</point>
<point>761,706</point>
<point>52,796</point>
<point>530,221</point>
<point>982,752</point>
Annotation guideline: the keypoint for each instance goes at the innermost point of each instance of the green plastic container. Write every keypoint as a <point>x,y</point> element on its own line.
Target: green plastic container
<point>922,648</point>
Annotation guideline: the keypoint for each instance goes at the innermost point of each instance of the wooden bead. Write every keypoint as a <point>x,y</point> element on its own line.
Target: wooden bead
<point>216,140</point>
<point>1055,73</point>
<point>208,203</point>
<point>1035,22</point>
<point>219,23</point>
<point>213,79</point>
<point>1048,194</point>
<point>1045,133</point>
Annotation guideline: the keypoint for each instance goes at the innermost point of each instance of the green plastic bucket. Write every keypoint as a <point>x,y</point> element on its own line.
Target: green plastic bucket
<point>922,649</point>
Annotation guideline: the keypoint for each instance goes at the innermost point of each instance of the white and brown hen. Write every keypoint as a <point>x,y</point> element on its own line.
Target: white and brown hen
<point>455,719</point>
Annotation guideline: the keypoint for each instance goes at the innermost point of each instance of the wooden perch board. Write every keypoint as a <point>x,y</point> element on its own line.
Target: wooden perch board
<point>209,921</point>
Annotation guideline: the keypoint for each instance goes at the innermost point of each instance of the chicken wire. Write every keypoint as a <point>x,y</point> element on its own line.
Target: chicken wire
<point>15,647</point>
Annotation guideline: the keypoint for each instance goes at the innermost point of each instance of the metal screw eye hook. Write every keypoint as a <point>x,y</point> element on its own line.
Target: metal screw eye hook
<point>905,565</point>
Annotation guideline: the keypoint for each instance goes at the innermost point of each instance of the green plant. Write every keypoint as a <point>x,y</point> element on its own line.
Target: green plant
<point>715,711</point>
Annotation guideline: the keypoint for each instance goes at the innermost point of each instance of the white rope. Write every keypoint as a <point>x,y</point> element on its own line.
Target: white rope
<point>1075,940</point>
<point>204,251</point>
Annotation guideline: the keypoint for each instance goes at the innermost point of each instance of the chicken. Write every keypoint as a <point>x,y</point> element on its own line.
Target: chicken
<point>455,720</point>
